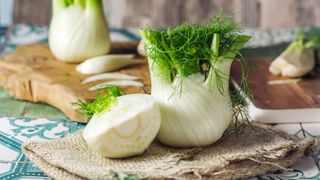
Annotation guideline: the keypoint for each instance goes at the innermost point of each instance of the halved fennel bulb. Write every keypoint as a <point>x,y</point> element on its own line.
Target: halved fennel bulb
<point>295,61</point>
<point>78,30</point>
<point>126,129</point>
<point>298,59</point>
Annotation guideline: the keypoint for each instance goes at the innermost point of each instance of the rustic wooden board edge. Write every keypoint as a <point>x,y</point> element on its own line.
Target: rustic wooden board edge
<point>21,87</point>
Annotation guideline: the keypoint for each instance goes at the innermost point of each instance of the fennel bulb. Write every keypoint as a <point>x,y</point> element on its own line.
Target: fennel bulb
<point>121,125</point>
<point>190,68</point>
<point>78,30</point>
<point>297,60</point>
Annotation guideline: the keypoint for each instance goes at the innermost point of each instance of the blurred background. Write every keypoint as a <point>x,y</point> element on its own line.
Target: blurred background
<point>263,14</point>
<point>271,23</point>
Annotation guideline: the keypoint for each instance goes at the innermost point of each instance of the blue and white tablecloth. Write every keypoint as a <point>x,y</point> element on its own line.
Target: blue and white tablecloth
<point>21,124</point>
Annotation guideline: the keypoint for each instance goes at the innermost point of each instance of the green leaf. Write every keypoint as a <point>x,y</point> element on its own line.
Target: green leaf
<point>314,43</point>
<point>105,99</point>
<point>236,43</point>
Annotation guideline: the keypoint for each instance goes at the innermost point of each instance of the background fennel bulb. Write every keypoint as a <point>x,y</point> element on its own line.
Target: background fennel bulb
<point>78,30</point>
<point>121,125</point>
<point>298,59</point>
<point>190,67</point>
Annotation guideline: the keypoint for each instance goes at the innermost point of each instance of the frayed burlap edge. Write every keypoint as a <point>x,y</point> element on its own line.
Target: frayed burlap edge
<point>50,170</point>
<point>238,167</point>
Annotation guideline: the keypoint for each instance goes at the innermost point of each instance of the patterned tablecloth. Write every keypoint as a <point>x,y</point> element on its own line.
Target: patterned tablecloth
<point>23,121</point>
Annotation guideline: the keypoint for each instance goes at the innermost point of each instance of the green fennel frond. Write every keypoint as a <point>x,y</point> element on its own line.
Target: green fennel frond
<point>180,50</point>
<point>306,41</point>
<point>239,96</point>
<point>105,98</point>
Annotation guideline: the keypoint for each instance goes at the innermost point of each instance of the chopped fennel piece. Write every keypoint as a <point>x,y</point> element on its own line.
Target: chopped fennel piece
<point>284,81</point>
<point>105,63</point>
<point>105,76</point>
<point>122,83</point>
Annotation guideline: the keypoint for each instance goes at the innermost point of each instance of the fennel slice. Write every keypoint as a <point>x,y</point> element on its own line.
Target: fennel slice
<point>122,83</point>
<point>284,81</point>
<point>105,63</point>
<point>109,76</point>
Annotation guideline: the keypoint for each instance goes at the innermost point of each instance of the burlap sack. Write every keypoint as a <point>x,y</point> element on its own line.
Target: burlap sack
<point>256,151</point>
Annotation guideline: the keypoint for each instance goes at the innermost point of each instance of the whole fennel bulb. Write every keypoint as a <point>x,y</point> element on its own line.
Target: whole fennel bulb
<point>78,30</point>
<point>297,60</point>
<point>190,69</point>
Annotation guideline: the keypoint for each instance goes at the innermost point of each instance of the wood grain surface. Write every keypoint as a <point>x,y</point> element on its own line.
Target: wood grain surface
<point>32,73</point>
<point>304,94</point>
<point>159,13</point>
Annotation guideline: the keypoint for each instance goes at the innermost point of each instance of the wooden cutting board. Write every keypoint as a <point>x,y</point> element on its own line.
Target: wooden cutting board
<point>281,103</point>
<point>32,73</point>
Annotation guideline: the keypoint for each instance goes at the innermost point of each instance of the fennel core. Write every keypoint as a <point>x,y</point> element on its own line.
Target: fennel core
<point>196,61</point>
